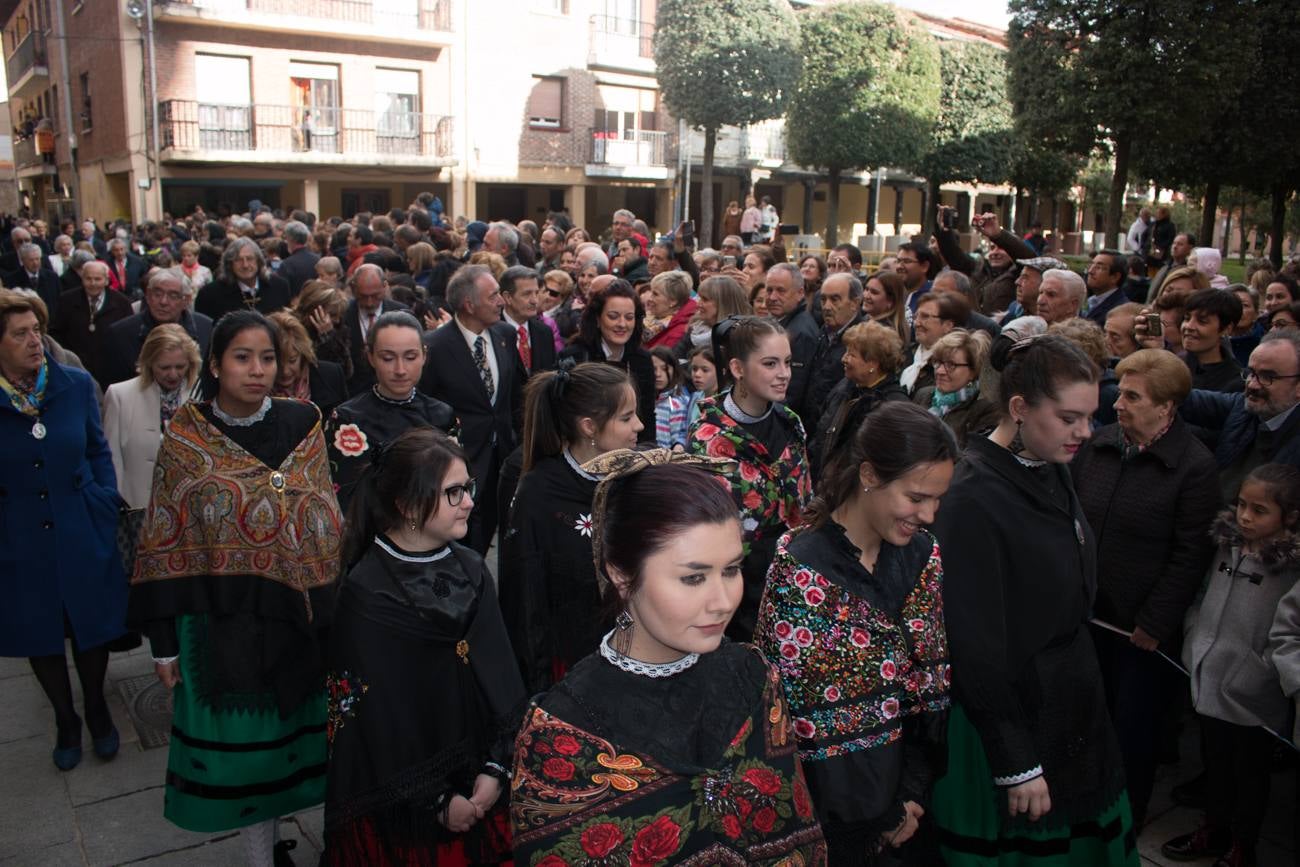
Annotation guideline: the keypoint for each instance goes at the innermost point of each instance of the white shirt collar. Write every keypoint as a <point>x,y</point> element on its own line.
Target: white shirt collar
<point>1276,422</point>
<point>514,326</point>
<point>609,351</point>
<point>470,336</point>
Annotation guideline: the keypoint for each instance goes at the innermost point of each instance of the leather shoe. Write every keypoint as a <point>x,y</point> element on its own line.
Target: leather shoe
<point>1196,845</point>
<point>1238,855</point>
<point>106,747</point>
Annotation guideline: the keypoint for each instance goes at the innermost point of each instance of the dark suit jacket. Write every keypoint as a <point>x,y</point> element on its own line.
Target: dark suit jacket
<point>9,262</point>
<point>125,338</point>
<point>297,268</point>
<point>489,431</point>
<point>329,387</point>
<point>69,281</point>
<point>135,270</point>
<point>363,376</point>
<point>1098,314</point>
<point>540,337</point>
<point>47,286</point>
<point>72,329</point>
<point>220,297</point>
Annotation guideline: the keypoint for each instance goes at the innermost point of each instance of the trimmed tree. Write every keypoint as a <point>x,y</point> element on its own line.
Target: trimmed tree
<point>972,138</point>
<point>868,95</point>
<point>724,62</point>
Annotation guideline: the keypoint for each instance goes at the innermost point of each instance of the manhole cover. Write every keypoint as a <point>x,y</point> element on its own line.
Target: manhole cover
<point>150,706</point>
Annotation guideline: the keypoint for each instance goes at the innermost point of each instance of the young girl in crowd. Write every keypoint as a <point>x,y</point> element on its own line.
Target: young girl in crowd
<point>547,582</point>
<point>1034,773</point>
<point>1236,685</point>
<point>672,405</point>
<point>704,380</point>
<point>750,424</point>
<point>853,617</point>
<point>422,684</point>
<point>671,745</point>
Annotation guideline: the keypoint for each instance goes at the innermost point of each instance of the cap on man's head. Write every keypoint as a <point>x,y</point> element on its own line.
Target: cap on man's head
<point>1043,263</point>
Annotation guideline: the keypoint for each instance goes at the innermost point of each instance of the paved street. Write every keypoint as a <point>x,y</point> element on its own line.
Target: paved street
<point>109,814</point>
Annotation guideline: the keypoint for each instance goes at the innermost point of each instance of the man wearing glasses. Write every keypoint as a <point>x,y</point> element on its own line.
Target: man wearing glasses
<point>167,299</point>
<point>1260,425</point>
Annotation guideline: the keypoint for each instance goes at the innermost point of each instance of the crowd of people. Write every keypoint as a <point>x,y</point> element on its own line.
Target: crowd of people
<point>799,560</point>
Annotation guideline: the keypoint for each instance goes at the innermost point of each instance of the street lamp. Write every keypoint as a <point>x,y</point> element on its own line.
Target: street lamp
<point>137,10</point>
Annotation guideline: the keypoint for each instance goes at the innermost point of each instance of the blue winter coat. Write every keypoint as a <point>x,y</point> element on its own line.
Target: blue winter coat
<point>1237,427</point>
<point>58,524</point>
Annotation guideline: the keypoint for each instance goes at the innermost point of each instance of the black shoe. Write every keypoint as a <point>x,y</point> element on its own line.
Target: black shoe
<point>282,849</point>
<point>1190,793</point>
<point>1239,855</point>
<point>1197,845</point>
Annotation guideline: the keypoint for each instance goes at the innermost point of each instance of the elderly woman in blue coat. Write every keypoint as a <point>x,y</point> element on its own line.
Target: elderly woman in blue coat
<point>60,572</point>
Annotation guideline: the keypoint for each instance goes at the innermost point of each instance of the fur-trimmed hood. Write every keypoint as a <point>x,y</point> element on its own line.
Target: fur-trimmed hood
<point>1282,552</point>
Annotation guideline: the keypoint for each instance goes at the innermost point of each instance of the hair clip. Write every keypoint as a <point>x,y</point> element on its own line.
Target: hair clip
<point>559,383</point>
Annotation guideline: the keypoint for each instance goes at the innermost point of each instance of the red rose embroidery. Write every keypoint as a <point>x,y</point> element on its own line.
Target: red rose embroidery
<point>751,500</point>
<point>889,707</point>
<point>745,808</point>
<point>803,636</point>
<point>731,826</point>
<point>566,745</point>
<point>832,693</point>
<point>888,670</point>
<point>804,729</point>
<point>749,472</point>
<point>765,781</point>
<point>599,840</point>
<point>656,842</point>
<point>783,629</point>
<point>860,637</point>
<point>350,440</point>
<point>802,803</point>
<point>916,624</point>
<point>706,432</point>
<point>721,447</point>
<point>789,650</point>
<point>552,861</point>
<point>814,596</point>
<point>947,676</point>
<point>558,769</point>
<point>802,578</point>
<point>765,819</point>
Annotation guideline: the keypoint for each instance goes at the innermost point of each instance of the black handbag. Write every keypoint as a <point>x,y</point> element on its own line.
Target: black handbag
<point>129,522</point>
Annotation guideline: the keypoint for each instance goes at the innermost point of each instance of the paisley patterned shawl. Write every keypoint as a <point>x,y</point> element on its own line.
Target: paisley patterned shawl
<point>217,510</point>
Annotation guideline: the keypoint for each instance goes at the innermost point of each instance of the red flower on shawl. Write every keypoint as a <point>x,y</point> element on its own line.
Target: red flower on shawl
<point>599,840</point>
<point>655,842</point>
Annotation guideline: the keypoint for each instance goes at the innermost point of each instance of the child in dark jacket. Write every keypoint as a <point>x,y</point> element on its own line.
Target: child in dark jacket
<point>1236,686</point>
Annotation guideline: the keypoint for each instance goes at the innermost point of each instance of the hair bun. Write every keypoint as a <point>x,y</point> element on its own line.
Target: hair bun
<point>1000,352</point>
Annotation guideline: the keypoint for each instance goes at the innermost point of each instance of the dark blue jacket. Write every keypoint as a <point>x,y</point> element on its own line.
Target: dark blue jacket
<point>1226,413</point>
<point>58,524</point>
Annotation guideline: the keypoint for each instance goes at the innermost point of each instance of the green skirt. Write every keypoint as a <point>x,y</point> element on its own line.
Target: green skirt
<point>969,811</point>
<point>230,769</point>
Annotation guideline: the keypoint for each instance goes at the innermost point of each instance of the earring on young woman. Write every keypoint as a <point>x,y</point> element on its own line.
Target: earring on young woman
<point>623,624</point>
<point>1017,443</point>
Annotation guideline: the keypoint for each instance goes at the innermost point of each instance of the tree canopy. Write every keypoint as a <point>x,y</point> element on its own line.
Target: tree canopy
<point>972,139</point>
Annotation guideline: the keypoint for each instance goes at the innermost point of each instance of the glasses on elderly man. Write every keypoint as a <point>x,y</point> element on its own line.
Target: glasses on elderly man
<point>1265,377</point>
<point>166,295</point>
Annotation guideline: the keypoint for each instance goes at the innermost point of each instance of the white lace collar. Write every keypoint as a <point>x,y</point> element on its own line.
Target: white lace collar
<point>645,669</point>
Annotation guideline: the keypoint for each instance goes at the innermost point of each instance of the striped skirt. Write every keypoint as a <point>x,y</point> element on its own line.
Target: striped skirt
<point>230,769</point>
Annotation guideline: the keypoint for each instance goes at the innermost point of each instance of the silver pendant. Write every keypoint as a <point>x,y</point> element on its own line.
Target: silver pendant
<point>38,431</point>
<point>92,326</point>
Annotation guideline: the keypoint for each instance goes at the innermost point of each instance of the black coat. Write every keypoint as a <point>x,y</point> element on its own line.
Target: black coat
<point>126,338</point>
<point>825,372</point>
<point>363,375</point>
<point>328,386</point>
<point>540,338</point>
<point>846,408</point>
<point>135,271</point>
<point>46,285</point>
<point>221,297</point>
<point>803,332</point>
<point>72,329</point>
<point>996,289</point>
<point>297,268</point>
<point>1019,582</point>
<point>546,579</point>
<point>974,415</point>
<point>1151,513</point>
<point>637,363</point>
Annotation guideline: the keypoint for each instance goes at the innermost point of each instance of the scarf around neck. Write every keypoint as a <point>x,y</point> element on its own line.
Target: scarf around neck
<point>942,402</point>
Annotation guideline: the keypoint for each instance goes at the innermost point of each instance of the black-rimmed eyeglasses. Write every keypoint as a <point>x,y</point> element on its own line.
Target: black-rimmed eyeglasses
<point>1265,377</point>
<point>456,493</point>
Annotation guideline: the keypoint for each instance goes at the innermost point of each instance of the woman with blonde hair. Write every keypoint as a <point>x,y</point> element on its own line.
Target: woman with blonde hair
<point>200,275</point>
<point>670,300</point>
<point>137,412</point>
<point>720,296</point>
<point>958,359</point>
<point>301,374</point>
<point>320,306</point>
<point>884,299</point>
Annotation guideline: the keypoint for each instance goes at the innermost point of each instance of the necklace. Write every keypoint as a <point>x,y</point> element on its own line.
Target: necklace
<point>395,401</point>
<point>246,421</point>
<point>733,409</point>
<point>645,669</point>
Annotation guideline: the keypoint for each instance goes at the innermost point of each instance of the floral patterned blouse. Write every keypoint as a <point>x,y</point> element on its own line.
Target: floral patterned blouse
<point>614,768</point>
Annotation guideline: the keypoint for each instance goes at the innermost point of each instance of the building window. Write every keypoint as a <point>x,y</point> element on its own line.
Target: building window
<point>224,113</point>
<point>397,110</point>
<point>316,119</point>
<point>554,7</point>
<point>546,103</point>
<point>86,117</point>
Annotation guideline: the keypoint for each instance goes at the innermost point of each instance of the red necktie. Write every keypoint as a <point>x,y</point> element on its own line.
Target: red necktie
<point>525,351</point>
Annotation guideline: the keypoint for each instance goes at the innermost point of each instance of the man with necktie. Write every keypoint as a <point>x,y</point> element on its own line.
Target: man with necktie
<point>521,320</point>
<point>84,317</point>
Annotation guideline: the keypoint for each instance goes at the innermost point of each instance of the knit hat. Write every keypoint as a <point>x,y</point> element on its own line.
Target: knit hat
<point>474,234</point>
<point>1043,263</point>
<point>1208,262</point>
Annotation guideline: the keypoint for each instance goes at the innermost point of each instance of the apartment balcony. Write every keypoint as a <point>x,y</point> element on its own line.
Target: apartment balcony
<point>634,154</point>
<point>27,69</point>
<point>194,132</point>
<point>759,145</point>
<point>28,163</point>
<point>623,44</point>
<point>415,22</point>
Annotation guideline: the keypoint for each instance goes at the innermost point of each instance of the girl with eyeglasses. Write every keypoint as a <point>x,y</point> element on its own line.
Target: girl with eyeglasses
<point>421,678</point>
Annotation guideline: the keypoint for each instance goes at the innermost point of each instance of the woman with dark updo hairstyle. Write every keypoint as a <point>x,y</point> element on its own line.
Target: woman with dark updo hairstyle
<point>671,745</point>
<point>548,588</point>
<point>1034,769</point>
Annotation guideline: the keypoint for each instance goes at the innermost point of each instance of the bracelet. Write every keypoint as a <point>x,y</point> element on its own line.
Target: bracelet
<point>165,660</point>
<point>492,769</point>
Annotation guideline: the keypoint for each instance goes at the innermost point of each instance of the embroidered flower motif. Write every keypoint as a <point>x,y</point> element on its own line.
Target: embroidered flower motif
<point>916,624</point>
<point>789,650</point>
<point>766,781</point>
<point>706,432</point>
<point>731,826</point>
<point>552,861</point>
<point>350,440</point>
<point>802,802</point>
<point>802,578</point>
<point>752,499</point>
<point>749,472</point>
<point>558,769</point>
<point>803,728</point>
<point>566,745</point>
<point>656,841</point>
<point>814,596</point>
<point>803,636</point>
<point>599,840</point>
<point>831,693</point>
<point>888,670</point>
<point>889,708</point>
<point>860,637</point>
<point>764,819</point>
<point>783,630</point>
<point>749,525</point>
<point>583,525</point>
